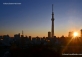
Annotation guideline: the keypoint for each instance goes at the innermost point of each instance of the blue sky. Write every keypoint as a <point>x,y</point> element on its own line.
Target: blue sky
<point>34,17</point>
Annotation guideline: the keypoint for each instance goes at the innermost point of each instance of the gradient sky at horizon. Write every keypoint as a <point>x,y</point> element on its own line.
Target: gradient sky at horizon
<point>34,17</point>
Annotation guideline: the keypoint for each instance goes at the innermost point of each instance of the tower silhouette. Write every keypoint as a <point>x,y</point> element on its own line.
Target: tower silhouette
<point>52,19</point>
<point>81,32</point>
<point>22,32</point>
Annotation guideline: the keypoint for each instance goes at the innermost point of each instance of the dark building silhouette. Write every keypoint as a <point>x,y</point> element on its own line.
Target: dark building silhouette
<point>49,34</point>
<point>17,36</point>
<point>70,34</point>
<point>1,37</point>
<point>30,38</point>
<point>81,32</point>
<point>52,19</point>
<point>6,37</point>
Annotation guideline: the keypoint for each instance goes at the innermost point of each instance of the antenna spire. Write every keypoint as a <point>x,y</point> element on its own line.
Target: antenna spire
<point>52,7</point>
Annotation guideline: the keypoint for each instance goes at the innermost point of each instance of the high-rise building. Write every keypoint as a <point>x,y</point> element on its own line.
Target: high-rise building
<point>70,34</point>
<point>52,19</point>
<point>30,38</point>
<point>81,32</point>
<point>6,37</point>
<point>17,36</point>
<point>22,34</point>
<point>49,34</point>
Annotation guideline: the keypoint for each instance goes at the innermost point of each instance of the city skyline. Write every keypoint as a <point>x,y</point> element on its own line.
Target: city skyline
<point>34,17</point>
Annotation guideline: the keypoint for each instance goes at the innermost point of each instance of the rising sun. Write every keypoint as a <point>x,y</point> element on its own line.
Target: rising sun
<point>75,34</point>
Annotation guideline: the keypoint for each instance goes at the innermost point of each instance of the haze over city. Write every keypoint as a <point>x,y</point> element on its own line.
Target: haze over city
<point>34,17</point>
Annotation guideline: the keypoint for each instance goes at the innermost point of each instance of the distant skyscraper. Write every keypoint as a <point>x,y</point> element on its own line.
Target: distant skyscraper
<point>30,38</point>
<point>22,34</point>
<point>81,32</point>
<point>70,34</point>
<point>52,19</point>
<point>17,36</point>
<point>49,34</point>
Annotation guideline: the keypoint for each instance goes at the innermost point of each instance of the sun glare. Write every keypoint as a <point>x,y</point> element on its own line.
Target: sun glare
<point>75,34</point>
